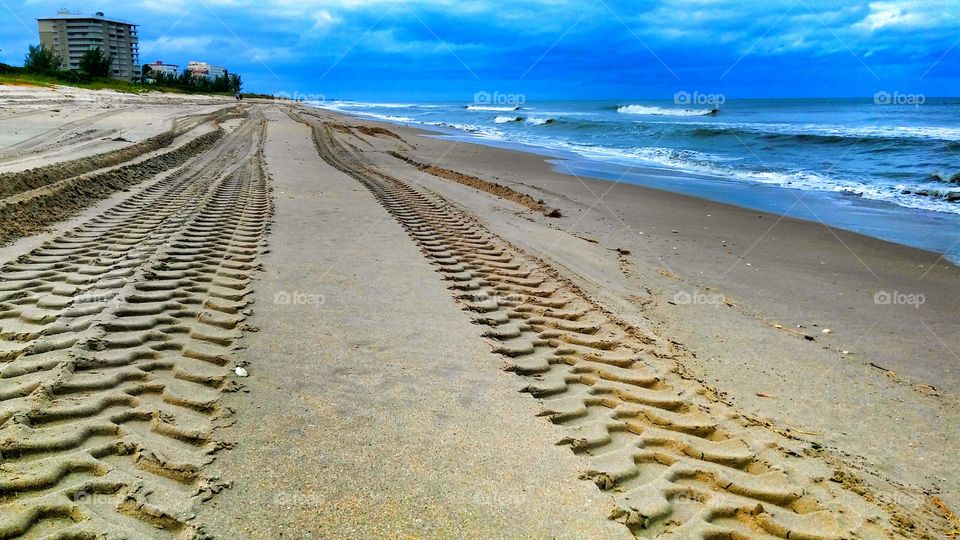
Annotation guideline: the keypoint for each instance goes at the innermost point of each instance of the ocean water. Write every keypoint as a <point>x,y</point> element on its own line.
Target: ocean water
<point>888,170</point>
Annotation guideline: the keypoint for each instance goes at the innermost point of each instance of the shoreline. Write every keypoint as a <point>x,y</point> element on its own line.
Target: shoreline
<point>914,227</point>
<point>719,240</point>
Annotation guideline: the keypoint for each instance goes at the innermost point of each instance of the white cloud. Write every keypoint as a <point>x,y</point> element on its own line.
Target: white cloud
<point>323,22</point>
<point>884,14</point>
<point>909,15</point>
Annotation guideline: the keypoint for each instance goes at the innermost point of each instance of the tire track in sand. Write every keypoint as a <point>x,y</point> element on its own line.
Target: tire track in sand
<point>115,341</point>
<point>677,463</point>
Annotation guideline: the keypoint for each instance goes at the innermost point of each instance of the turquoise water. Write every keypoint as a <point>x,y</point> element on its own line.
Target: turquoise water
<point>871,166</point>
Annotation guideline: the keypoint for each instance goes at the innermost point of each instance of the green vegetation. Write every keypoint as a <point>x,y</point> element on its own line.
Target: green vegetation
<point>95,63</point>
<point>41,61</point>
<point>41,67</point>
<point>188,82</point>
<point>18,76</point>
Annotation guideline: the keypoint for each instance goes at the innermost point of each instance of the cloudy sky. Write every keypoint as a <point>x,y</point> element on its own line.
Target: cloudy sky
<point>584,49</point>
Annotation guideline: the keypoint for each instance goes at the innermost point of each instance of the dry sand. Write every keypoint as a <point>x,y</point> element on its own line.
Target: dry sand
<point>372,407</point>
<point>42,125</point>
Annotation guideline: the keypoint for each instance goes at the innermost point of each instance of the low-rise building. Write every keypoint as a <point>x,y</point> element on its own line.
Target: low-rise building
<point>204,69</point>
<point>160,67</point>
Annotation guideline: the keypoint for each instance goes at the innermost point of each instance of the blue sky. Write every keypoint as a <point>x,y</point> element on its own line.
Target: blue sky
<point>570,49</point>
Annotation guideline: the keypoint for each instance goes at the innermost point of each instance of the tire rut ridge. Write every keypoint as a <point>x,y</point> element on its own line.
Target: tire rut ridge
<point>28,212</point>
<point>115,341</point>
<point>677,463</point>
<point>12,183</point>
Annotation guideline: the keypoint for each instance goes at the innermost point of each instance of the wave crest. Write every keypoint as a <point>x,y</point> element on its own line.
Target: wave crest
<point>660,111</point>
<point>540,121</point>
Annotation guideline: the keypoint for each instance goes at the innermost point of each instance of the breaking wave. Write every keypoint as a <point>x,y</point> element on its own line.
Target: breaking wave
<point>660,111</point>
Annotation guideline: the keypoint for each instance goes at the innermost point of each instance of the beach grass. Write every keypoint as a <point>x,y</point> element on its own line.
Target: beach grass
<point>30,79</point>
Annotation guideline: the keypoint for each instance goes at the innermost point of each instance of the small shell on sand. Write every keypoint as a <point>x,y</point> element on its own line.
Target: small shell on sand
<point>240,372</point>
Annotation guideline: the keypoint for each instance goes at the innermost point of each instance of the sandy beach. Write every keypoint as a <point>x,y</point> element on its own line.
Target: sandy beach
<point>264,320</point>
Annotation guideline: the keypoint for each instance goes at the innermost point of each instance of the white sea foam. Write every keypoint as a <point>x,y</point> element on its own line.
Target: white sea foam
<point>491,108</point>
<point>363,105</point>
<point>539,121</point>
<point>475,130</point>
<point>533,121</point>
<point>660,111</point>
<point>377,116</point>
<point>706,164</point>
<point>390,117</point>
<point>826,130</point>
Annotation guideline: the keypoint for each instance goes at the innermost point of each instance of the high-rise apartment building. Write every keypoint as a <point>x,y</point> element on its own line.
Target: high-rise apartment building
<point>70,34</point>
